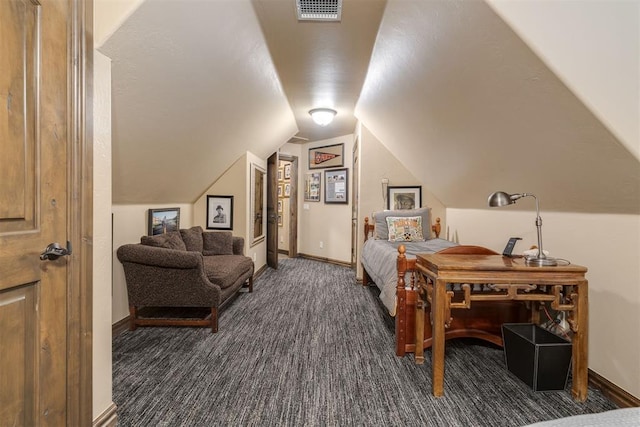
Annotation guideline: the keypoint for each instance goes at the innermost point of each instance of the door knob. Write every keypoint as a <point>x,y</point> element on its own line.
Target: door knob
<point>55,251</point>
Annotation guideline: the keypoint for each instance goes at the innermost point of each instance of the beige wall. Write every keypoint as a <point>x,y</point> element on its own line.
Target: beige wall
<point>236,182</point>
<point>101,236</point>
<point>604,42</point>
<point>608,245</point>
<point>326,224</point>
<point>231,183</point>
<point>376,163</point>
<point>129,224</point>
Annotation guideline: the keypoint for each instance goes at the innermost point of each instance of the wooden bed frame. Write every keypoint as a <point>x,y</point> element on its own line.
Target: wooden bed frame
<point>483,320</point>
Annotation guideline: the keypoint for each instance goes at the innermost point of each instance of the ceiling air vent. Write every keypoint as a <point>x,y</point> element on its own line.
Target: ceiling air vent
<point>319,10</point>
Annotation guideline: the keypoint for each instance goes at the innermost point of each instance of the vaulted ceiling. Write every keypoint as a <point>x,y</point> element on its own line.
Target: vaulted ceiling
<point>448,86</point>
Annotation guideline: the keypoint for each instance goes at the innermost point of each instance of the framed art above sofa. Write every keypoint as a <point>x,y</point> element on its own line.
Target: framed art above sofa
<point>220,212</point>
<point>163,220</point>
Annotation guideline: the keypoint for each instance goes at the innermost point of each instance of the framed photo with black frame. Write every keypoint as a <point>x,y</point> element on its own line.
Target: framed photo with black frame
<point>336,186</point>
<point>220,212</point>
<point>163,220</point>
<point>399,198</point>
<point>328,156</point>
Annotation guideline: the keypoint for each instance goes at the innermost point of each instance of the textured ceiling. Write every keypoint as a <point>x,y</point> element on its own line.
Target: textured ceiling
<point>450,89</point>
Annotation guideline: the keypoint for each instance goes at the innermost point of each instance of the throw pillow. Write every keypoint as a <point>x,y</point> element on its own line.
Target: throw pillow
<point>217,243</point>
<point>380,221</point>
<point>405,229</point>
<point>170,240</point>
<point>192,238</point>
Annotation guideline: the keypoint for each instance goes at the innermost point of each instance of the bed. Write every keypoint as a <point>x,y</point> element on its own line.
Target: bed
<point>390,265</point>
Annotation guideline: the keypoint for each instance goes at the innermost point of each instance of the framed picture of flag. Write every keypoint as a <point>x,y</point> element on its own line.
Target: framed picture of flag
<point>329,156</point>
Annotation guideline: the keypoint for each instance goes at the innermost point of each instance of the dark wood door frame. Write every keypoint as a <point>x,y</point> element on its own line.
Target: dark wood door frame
<point>293,205</point>
<point>272,216</point>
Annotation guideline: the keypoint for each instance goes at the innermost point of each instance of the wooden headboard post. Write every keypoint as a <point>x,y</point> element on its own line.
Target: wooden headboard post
<point>436,228</point>
<point>401,297</point>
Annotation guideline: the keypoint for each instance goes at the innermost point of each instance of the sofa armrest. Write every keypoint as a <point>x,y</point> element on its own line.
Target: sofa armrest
<point>159,257</point>
<point>238,245</point>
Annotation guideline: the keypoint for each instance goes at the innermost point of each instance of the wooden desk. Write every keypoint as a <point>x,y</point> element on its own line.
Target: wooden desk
<point>565,288</point>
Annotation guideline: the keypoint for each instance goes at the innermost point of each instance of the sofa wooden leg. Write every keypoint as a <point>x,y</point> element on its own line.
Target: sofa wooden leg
<point>214,319</point>
<point>251,284</point>
<point>132,317</point>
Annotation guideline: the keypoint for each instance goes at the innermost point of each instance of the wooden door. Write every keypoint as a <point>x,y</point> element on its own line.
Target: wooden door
<point>272,215</point>
<point>38,355</point>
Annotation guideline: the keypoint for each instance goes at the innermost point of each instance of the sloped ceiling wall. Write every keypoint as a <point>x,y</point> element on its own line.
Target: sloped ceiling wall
<point>470,109</point>
<point>193,89</point>
<point>451,90</point>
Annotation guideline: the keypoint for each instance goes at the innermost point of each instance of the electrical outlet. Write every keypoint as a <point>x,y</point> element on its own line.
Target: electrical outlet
<point>321,244</point>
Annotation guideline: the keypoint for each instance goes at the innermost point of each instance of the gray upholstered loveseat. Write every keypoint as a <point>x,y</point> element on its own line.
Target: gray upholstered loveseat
<point>186,268</point>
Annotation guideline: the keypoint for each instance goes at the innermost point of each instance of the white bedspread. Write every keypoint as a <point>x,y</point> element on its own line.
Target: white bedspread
<point>379,260</point>
<point>616,417</point>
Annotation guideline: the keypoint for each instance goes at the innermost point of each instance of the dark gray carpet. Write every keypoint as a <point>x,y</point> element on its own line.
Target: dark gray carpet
<point>311,347</point>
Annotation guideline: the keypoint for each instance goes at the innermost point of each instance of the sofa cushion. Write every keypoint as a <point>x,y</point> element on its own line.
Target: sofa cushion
<point>217,243</point>
<point>192,238</point>
<point>225,270</point>
<point>170,240</point>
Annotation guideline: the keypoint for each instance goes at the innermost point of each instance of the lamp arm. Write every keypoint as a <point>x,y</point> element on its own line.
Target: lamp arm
<point>541,254</point>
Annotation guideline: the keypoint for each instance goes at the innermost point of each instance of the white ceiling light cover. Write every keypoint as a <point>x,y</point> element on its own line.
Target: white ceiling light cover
<point>319,10</point>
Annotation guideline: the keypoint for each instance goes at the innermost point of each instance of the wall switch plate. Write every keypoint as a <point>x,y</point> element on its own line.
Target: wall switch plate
<point>305,206</point>
<point>321,244</point>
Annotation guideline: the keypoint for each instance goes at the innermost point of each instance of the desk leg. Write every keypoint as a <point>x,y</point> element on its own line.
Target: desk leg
<point>419,351</point>
<point>580,359</point>
<point>438,305</point>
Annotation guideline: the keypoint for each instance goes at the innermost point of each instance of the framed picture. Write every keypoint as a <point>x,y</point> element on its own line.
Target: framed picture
<point>280,220</point>
<point>328,156</point>
<point>280,203</point>
<point>220,212</point>
<point>336,186</point>
<point>312,187</point>
<point>404,197</point>
<point>287,189</point>
<point>287,171</point>
<point>280,174</point>
<point>280,190</point>
<point>163,220</point>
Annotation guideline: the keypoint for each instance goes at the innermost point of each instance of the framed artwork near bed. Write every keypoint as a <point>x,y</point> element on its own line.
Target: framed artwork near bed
<point>336,186</point>
<point>409,197</point>
<point>328,156</point>
<point>312,187</point>
<point>163,220</point>
<point>220,212</point>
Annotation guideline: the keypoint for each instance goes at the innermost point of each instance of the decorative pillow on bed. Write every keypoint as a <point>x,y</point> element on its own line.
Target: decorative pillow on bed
<point>405,229</point>
<point>382,229</point>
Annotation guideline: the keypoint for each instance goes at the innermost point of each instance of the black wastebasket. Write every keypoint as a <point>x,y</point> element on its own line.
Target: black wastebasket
<point>538,357</point>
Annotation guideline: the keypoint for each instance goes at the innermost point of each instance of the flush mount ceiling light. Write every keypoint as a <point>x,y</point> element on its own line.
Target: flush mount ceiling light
<point>323,116</point>
<point>319,10</point>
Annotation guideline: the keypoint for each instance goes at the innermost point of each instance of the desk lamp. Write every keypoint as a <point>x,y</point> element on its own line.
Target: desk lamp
<point>500,198</point>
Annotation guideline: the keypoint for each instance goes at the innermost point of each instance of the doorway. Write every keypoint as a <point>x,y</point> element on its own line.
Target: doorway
<point>287,205</point>
<point>282,207</point>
